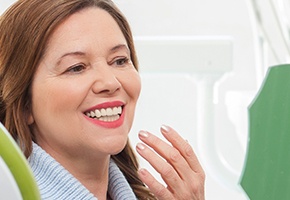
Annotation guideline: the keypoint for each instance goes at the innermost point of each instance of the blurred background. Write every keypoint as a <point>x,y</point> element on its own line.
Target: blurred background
<point>202,62</point>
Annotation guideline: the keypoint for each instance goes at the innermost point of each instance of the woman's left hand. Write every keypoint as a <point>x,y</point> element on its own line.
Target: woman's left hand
<point>176,163</point>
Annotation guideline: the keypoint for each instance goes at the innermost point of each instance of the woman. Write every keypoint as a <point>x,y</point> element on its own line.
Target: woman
<point>69,86</point>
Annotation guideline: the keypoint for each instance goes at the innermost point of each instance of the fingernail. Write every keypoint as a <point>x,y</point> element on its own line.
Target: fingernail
<point>140,146</point>
<point>143,134</point>
<point>165,128</point>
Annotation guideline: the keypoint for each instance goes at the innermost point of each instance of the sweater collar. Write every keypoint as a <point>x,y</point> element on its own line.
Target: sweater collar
<point>55,182</point>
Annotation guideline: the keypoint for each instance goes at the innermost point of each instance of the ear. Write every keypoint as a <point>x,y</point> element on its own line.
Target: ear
<point>30,118</point>
<point>28,114</point>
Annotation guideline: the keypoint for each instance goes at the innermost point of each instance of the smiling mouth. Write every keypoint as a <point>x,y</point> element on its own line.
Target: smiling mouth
<point>105,114</point>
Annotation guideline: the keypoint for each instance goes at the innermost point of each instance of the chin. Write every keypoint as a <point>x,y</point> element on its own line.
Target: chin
<point>118,148</point>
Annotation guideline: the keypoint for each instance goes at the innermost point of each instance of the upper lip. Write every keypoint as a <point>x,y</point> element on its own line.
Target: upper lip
<point>110,104</point>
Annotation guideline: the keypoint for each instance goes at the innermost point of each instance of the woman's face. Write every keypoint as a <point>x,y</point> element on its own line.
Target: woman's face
<point>85,89</point>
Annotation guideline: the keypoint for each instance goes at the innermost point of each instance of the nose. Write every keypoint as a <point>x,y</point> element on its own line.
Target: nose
<point>106,81</point>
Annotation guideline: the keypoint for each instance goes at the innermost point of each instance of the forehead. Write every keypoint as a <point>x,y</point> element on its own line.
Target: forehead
<point>91,26</point>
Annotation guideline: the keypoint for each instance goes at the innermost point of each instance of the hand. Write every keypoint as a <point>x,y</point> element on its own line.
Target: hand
<point>179,168</point>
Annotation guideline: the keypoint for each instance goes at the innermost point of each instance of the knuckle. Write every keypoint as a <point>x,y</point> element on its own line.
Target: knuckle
<point>167,171</point>
<point>197,188</point>
<point>175,155</point>
<point>203,175</point>
<point>188,150</point>
<point>161,192</point>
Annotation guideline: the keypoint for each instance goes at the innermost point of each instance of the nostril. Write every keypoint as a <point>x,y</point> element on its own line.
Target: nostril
<point>106,86</point>
<point>110,91</point>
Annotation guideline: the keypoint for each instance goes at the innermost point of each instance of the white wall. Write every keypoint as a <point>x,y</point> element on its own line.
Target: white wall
<point>172,98</point>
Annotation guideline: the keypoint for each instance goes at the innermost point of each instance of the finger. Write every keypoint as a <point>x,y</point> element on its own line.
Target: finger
<point>155,187</point>
<point>191,184</point>
<point>167,172</point>
<point>183,147</point>
<point>169,153</point>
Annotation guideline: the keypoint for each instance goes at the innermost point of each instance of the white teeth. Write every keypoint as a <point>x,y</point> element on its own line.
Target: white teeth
<point>103,112</point>
<point>109,111</point>
<point>116,110</point>
<point>98,113</point>
<point>109,118</point>
<point>92,114</point>
<point>106,114</point>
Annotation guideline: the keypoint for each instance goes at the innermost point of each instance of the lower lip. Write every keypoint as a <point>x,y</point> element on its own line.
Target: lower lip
<point>113,124</point>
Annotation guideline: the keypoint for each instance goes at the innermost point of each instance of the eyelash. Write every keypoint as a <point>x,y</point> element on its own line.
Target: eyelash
<point>76,68</point>
<point>123,61</point>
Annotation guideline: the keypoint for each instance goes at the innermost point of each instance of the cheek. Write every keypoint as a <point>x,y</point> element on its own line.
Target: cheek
<point>133,85</point>
<point>55,96</point>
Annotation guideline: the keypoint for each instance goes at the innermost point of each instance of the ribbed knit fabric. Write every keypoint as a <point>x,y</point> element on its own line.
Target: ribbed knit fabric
<point>56,183</point>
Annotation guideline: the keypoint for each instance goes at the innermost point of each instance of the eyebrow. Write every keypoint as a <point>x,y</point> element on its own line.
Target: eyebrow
<point>80,53</point>
<point>120,47</point>
<point>76,53</point>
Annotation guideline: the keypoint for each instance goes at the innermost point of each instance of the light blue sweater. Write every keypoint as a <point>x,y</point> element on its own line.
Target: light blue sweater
<point>56,183</point>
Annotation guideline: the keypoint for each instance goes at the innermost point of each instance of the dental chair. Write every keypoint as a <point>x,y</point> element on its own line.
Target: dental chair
<point>16,178</point>
<point>266,174</point>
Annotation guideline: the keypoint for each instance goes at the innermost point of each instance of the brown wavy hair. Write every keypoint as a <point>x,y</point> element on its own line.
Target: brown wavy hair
<point>24,32</point>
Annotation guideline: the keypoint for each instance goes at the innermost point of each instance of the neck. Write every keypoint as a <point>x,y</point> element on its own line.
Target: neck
<point>91,170</point>
<point>93,175</point>
<point>95,179</point>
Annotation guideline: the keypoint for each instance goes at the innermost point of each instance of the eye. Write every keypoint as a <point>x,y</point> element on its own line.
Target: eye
<point>76,69</point>
<point>122,61</point>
